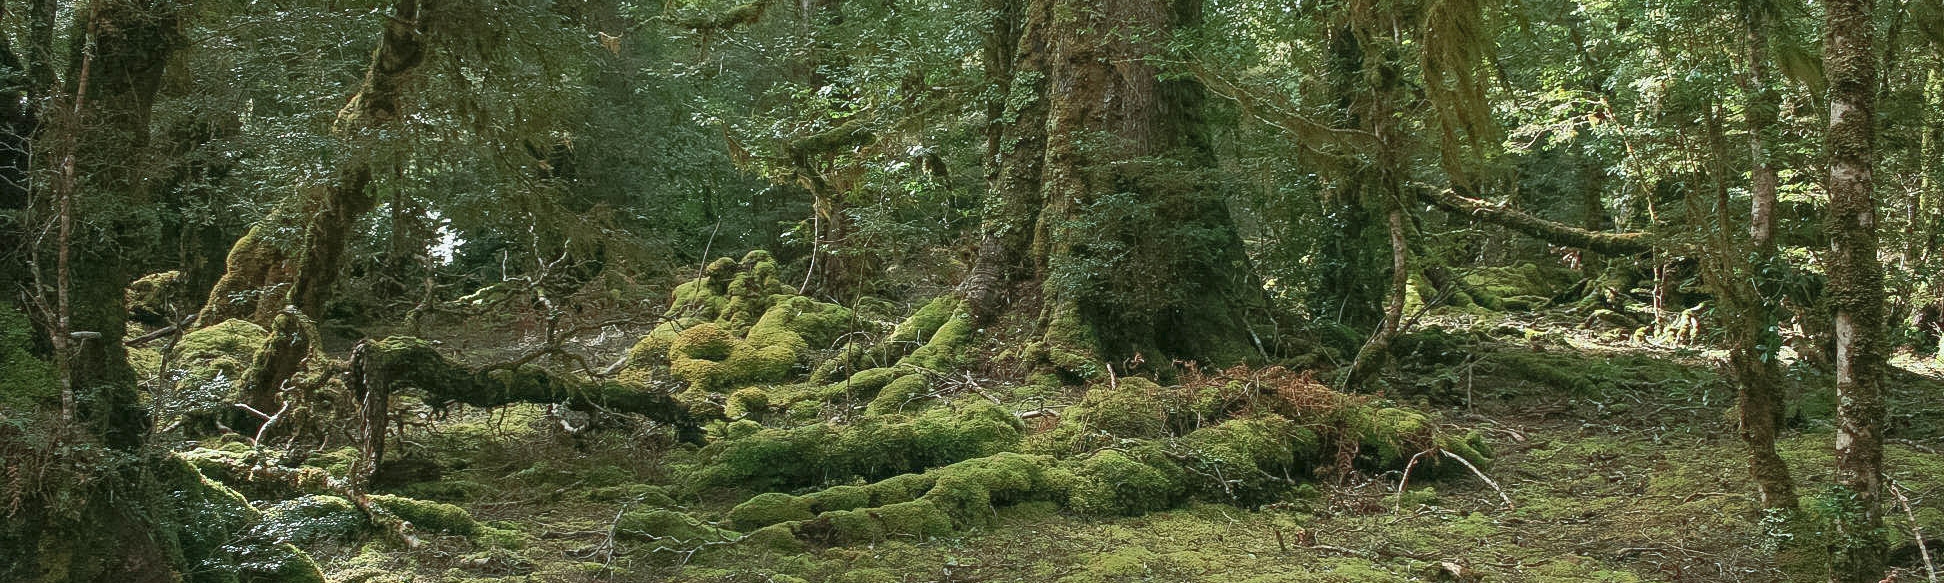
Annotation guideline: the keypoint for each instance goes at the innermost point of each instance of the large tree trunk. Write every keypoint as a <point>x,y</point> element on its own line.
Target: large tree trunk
<point>1140,254</point>
<point>1350,290</point>
<point>1855,289</point>
<point>264,275</point>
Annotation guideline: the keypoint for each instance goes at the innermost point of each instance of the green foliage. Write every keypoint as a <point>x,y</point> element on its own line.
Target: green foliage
<point>30,382</point>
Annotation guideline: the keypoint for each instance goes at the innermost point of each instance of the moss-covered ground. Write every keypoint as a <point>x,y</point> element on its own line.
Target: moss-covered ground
<point>1608,459</point>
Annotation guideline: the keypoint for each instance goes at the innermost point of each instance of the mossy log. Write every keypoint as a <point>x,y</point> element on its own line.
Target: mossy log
<point>1617,244</point>
<point>398,363</point>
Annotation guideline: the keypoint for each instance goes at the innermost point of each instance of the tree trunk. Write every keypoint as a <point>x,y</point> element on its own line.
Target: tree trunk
<point>1141,257</point>
<point>264,275</point>
<point>1754,342</point>
<point>1351,288</point>
<point>1855,288</point>
<point>130,46</point>
<point>1013,203</point>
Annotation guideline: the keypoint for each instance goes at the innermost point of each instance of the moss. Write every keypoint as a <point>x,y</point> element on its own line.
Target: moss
<point>767,509</point>
<point>865,384</point>
<point>918,519</point>
<point>968,490</point>
<point>427,516</point>
<point>818,323</point>
<point>874,447</point>
<point>1131,409</point>
<point>781,538</point>
<point>749,402</point>
<point>153,298</point>
<point>679,528</point>
<point>900,395</point>
<point>1111,482</point>
<point>924,323</point>
<point>703,341</point>
<point>839,498</point>
<point>643,494</point>
<point>1252,457</point>
<point>949,348</point>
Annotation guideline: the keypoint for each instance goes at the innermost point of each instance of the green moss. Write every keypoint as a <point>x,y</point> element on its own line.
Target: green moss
<point>427,516</point>
<point>900,395</point>
<point>703,341</point>
<point>769,508</point>
<point>154,297</point>
<point>924,323</point>
<point>949,348</point>
<point>749,402</point>
<point>669,527</point>
<point>1112,483</point>
<point>839,498</point>
<point>1252,457</point>
<point>1131,409</point>
<point>919,519</point>
<point>780,538</point>
<point>874,447</point>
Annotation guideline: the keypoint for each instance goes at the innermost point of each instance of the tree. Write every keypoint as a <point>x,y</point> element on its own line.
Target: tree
<point>1855,290</point>
<point>1137,254</point>
<point>262,275</point>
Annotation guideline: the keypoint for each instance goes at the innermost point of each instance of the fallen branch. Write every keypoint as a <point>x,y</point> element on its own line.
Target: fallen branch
<point>1481,475</point>
<point>1617,244</point>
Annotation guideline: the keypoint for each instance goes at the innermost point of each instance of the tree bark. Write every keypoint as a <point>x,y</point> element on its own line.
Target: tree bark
<point>1754,343</point>
<point>264,275</point>
<point>129,48</point>
<point>1141,257</point>
<point>1009,221</point>
<point>1855,291</point>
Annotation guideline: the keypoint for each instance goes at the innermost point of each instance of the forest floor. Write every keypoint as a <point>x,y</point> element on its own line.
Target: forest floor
<point>1612,461</point>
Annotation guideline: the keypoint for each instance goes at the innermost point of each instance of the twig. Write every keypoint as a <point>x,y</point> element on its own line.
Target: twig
<point>1406,480</point>
<point>172,329</point>
<point>1930,568</point>
<point>1482,476</point>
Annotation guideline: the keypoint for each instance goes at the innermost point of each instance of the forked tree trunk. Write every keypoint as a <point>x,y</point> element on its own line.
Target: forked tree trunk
<point>263,275</point>
<point>1855,288</point>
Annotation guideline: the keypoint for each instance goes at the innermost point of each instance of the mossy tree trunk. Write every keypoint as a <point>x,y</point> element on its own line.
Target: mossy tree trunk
<point>1140,254</point>
<point>129,47</point>
<point>264,275</point>
<point>1351,289</point>
<point>1754,342</point>
<point>1016,142</point>
<point>1855,290</point>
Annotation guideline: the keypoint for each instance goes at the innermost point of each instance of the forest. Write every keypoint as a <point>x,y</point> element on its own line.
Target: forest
<point>901,291</point>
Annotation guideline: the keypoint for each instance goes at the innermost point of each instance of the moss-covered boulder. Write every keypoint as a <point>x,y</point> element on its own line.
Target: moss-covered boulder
<point>874,447</point>
<point>769,508</point>
<point>428,516</point>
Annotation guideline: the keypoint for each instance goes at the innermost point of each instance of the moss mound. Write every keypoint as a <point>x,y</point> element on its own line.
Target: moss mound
<point>873,448</point>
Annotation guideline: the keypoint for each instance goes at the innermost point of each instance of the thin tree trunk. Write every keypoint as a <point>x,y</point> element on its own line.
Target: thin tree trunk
<point>1855,289</point>
<point>1754,346</point>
